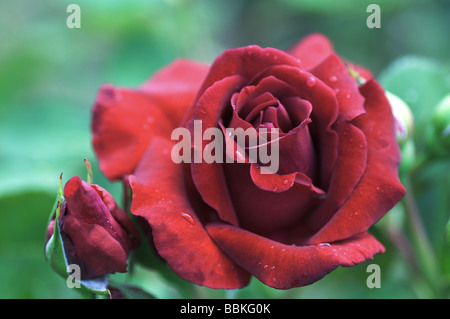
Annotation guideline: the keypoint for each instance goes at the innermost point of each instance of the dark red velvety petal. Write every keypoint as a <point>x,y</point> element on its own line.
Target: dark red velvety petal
<point>84,203</point>
<point>125,120</point>
<point>285,266</point>
<point>349,168</point>
<point>334,73</point>
<point>262,209</point>
<point>324,113</point>
<point>312,50</point>
<point>132,233</point>
<point>245,62</point>
<point>209,110</point>
<point>91,235</point>
<point>161,196</point>
<point>379,188</point>
<point>92,248</point>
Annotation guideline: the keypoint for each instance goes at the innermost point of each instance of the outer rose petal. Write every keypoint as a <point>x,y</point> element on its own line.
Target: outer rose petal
<point>379,188</point>
<point>175,86</point>
<point>286,266</point>
<point>125,120</point>
<point>160,195</point>
<point>95,251</point>
<point>312,50</point>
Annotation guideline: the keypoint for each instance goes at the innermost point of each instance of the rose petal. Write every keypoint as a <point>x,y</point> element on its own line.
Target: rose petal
<point>324,113</point>
<point>333,72</point>
<point>349,168</point>
<point>125,120</point>
<point>284,266</point>
<point>209,110</point>
<point>379,188</point>
<point>280,183</point>
<point>312,50</point>
<point>92,248</point>
<point>84,203</point>
<point>245,62</point>
<point>120,216</point>
<point>161,196</point>
<point>264,211</point>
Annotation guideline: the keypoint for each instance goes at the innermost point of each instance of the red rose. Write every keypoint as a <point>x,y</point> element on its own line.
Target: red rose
<point>97,234</point>
<point>218,224</point>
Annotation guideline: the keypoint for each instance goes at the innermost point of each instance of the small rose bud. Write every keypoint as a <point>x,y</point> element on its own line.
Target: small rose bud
<point>403,117</point>
<point>96,234</point>
<point>441,126</point>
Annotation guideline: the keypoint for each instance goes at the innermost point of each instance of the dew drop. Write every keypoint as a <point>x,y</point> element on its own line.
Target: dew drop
<point>348,96</point>
<point>311,81</point>
<point>324,245</point>
<point>275,189</point>
<point>188,217</point>
<point>285,182</point>
<point>333,79</point>
<point>266,266</point>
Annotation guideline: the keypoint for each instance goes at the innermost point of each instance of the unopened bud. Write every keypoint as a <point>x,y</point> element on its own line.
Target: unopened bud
<point>404,119</point>
<point>441,123</point>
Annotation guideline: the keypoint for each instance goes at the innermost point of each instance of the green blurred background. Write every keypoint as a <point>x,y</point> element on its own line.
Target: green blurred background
<point>50,74</point>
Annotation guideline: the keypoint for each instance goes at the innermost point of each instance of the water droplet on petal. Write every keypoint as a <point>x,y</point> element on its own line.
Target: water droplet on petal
<point>311,81</point>
<point>285,182</point>
<point>324,245</point>
<point>348,96</point>
<point>188,217</point>
<point>333,79</point>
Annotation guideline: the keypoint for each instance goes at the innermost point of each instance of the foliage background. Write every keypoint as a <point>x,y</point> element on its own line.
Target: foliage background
<point>50,74</point>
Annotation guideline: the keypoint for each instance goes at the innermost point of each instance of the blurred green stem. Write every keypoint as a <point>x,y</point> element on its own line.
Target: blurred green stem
<point>425,255</point>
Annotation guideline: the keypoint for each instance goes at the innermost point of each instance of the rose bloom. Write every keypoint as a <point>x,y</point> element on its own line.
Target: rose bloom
<point>219,224</point>
<point>97,235</point>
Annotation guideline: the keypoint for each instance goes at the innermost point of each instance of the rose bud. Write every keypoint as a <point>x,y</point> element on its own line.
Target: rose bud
<point>404,120</point>
<point>439,136</point>
<point>218,224</point>
<point>96,234</point>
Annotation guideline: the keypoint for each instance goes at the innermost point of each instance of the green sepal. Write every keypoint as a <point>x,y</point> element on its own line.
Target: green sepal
<point>54,248</point>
